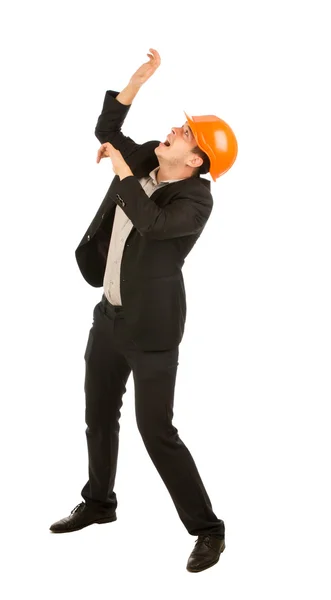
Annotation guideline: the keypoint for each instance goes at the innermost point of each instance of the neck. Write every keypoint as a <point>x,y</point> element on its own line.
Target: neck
<point>166,173</point>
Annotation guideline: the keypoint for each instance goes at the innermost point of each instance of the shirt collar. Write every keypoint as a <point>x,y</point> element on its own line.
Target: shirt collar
<point>153,173</point>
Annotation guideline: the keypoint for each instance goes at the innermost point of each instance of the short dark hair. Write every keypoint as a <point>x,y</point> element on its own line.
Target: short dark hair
<point>204,168</point>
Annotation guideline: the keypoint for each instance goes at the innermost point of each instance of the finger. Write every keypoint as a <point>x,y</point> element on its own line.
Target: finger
<point>156,54</point>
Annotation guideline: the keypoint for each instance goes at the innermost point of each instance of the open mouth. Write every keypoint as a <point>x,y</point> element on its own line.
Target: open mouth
<point>167,143</point>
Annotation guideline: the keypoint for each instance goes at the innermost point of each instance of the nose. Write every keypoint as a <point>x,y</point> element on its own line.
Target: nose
<point>174,130</point>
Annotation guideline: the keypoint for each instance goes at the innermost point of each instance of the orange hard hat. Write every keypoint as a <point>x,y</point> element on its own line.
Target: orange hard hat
<point>216,138</point>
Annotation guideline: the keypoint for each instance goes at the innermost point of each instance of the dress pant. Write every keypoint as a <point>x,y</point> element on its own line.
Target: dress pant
<point>110,357</point>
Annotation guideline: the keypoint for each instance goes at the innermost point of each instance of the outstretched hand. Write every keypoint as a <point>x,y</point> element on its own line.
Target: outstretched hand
<point>147,69</point>
<point>120,167</point>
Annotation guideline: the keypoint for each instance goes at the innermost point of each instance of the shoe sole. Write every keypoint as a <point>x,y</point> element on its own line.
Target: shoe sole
<point>98,521</point>
<point>198,570</point>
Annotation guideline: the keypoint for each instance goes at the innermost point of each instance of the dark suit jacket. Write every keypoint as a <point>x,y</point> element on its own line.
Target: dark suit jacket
<point>165,228</point>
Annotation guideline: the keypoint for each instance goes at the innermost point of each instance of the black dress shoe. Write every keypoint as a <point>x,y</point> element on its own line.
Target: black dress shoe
<point>206,553</point>
<point>81,516</point>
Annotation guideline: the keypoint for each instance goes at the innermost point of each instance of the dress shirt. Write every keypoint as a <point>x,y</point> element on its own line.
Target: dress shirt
<point>120,232</point>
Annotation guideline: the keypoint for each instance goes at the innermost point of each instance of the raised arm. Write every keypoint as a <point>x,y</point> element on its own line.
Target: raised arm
<point>116,106</point>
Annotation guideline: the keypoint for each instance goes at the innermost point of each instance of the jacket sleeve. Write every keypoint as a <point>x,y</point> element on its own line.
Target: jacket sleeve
<point>108,127</point>
<point>187,214</point>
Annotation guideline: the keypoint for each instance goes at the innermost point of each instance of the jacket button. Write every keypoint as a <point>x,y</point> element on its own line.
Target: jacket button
<point>88,238</point>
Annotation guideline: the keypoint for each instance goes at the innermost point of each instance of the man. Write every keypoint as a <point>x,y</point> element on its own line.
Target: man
<point>153,213</point>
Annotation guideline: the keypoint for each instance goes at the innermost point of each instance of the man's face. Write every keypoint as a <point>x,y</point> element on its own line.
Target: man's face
<point>178,145</point>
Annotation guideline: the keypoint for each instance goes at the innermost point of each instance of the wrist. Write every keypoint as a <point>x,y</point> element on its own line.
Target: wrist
<point>127,95</point>
<point>125,173</point>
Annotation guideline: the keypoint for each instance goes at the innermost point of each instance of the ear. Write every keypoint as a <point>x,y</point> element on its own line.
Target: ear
<point>195,161</point>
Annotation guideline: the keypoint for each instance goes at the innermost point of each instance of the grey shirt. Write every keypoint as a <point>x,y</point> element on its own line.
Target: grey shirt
<point>121,229</point>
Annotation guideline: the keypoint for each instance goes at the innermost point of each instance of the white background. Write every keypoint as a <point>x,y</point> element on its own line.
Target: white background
<point>253,384</point>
